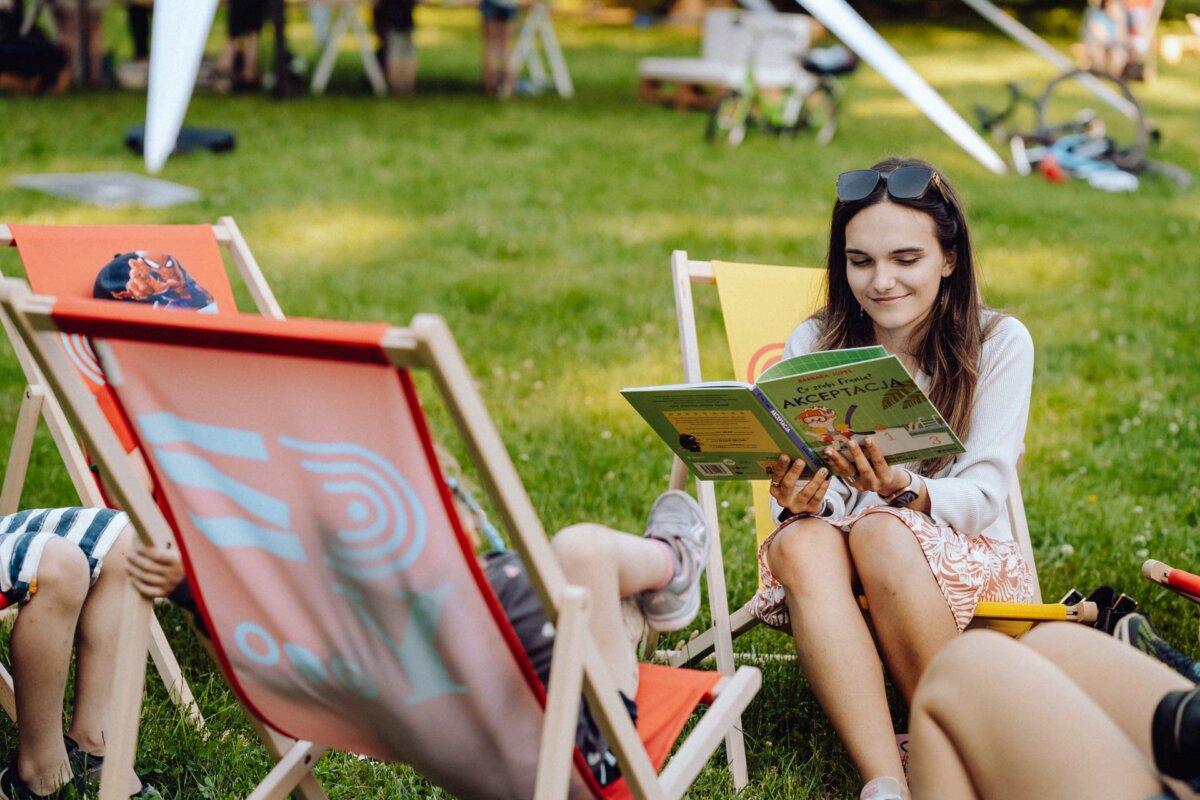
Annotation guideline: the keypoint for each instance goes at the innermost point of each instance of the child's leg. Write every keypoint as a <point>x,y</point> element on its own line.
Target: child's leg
<point>401,61</point>
<point>225,64</point>
<point>138,20</point>
<point>992,718</point>
<point>95,648</point>
<point>250,58</point>
<point>611,565</point>
<point>41,656</point>
<point>95,47</point>
<point>504,38</point>
<point>96,651</point>
<point>493,53</point>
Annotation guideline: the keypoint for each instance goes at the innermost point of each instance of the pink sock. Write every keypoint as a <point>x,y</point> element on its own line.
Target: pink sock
<point>671,562</point>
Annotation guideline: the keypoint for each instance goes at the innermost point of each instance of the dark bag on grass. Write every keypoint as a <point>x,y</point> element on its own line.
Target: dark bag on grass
<point>216,140</point>
<point>32,64</point>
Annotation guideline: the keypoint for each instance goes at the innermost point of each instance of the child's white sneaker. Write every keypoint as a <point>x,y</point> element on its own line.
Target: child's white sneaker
<point>678,521</point>
<point>881,789</point>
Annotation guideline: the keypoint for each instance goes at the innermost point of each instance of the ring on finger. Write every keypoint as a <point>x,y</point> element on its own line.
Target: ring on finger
<point>775,484</point>
<point>852,478</point>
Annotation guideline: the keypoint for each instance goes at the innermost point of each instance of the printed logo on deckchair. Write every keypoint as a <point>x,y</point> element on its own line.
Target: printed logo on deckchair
<point>315,548</point>
<point>763,303</point>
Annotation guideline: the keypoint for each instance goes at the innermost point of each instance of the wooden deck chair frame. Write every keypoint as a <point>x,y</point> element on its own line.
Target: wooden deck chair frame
<point>39,403</point>
<point>1011,618</point>
<point>345,15</point>
<point>538,25</point>
<point>425,344</point>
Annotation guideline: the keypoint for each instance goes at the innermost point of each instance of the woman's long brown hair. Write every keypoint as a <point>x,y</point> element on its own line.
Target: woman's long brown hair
<point>949,343</point>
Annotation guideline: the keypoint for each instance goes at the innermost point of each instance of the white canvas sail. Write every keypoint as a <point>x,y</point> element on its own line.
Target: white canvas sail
<point>176,47</point>
<point>872,48</point>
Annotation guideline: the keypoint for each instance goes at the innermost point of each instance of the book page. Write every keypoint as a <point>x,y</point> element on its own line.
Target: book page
<point>822,359</point>
<point>877,398</point>
<point>719,432</point>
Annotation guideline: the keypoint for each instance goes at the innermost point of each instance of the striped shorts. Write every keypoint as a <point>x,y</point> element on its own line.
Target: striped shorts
<point>23,537</point>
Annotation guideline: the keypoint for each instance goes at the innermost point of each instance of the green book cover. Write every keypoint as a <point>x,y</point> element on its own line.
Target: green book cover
<point>736,431</point>
<point>875,395</point>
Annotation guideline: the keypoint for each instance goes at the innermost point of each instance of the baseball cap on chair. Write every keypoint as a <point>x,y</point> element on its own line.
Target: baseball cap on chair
<point>153,278</point>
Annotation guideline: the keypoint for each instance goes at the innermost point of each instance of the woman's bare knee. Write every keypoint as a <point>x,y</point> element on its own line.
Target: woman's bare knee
<point>806,554</point>
<point>882,545</point>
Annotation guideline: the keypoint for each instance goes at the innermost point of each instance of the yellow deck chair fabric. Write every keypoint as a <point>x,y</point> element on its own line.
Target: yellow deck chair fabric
<point>762,305</point>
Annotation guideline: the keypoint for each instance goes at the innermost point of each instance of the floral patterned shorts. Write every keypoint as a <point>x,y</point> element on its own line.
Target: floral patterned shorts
<point>967,570</point>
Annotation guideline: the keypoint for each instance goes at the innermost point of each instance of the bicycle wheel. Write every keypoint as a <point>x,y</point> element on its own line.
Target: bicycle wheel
<point>1068,106</point>
<point>820,112</point>
<point>729,118</point>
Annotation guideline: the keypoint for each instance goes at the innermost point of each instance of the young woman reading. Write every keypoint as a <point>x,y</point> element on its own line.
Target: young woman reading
<point>925,542</point>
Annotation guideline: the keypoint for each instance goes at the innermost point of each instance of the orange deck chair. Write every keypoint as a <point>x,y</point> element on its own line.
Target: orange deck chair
<point>345,602</point>
<point>761,305</point>
<point>63,261</point>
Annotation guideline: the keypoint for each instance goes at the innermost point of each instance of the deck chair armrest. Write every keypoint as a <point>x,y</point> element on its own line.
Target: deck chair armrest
<point>556,753</point>
<point>733,695</point>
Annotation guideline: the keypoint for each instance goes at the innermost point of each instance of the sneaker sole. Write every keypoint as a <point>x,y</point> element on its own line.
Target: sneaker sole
<point>680,619</point>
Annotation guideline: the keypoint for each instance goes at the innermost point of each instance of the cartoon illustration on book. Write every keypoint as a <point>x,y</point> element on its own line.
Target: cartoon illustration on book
<point>822,422</point>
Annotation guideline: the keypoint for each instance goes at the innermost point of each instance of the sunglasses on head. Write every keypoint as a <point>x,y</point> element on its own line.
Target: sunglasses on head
<point>903,183</point>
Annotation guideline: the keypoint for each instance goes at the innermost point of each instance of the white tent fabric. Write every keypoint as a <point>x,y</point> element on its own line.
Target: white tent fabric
<point>176,47</point>
<point>855,33</point>
<point>1031,40</point>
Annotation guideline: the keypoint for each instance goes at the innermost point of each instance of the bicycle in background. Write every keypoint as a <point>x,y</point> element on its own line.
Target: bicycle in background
<point>810,102</point>
<point>1067,130</point>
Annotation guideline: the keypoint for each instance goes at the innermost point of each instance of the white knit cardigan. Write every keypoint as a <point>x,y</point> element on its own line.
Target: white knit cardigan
<point>969,494</point>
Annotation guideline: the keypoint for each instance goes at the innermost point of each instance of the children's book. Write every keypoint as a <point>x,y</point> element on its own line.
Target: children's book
<point>728,430</point>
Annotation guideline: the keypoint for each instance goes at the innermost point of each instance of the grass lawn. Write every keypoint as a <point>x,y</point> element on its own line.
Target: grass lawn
<point>541,229</point>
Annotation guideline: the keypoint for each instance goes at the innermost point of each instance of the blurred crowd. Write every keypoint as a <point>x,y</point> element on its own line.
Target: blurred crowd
<point>49,45</point>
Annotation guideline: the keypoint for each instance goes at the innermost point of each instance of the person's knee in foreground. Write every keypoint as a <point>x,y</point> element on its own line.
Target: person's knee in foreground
<point>66,568</point>
<point>1065,712</point>
<point>929,541</point>
<point>659,571</point>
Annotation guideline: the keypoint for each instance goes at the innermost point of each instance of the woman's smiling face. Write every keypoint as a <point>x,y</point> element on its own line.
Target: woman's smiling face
<point>895,266</point>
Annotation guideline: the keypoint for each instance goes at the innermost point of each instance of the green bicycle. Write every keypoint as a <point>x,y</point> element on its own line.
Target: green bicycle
<point>810,102</point>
